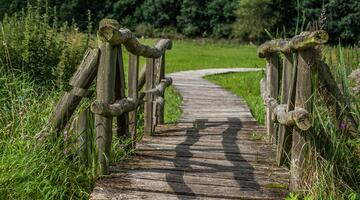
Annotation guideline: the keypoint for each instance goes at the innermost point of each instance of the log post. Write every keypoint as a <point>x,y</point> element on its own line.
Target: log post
<point>272,63</point>
<point>302,101</point>
<point>105,93</point>
<point>148,109</point>
<point>133,75</point>
<point>284,134</point>
<point>160,107</point>
<point>122,121</point>
<point>81,132</point>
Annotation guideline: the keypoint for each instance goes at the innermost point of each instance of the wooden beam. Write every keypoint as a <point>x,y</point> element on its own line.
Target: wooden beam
<point>105,90</point>
<point>133,75</point>
<point>115,36</point>
<point>302,41</point>
<point>148,109</point>
<point>272,63</point>
<point>120,107</point>
<point>122,121</point>
<point>302,101</point>
<point>284,134</point>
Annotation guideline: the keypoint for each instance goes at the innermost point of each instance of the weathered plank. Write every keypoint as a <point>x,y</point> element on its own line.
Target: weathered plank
<point>148,109</point>
<point>272,65</point>
<point>133,75</point>
<point>303,95</point>
<point>122,121</point>
<point>105,91</point>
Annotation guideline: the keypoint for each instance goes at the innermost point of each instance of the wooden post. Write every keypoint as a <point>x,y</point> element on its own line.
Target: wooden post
<point>106,93</point>
<point>284,141</point>
<point>148,109</point>
<point>81,132</point>
<point>133,93</point>
<point>272,63</point>
<point>303,94</point>
<point>122,121</point>
<point>160,107</point>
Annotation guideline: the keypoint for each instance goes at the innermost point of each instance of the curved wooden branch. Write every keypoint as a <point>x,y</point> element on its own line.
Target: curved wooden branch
<point>160,89</point>
<point>299,117</point>
<point>116,109</point>
<point>299,42</point>
<point>109,32</point>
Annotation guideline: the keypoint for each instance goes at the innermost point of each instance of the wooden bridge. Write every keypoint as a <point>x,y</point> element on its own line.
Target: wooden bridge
<point>217,150</point>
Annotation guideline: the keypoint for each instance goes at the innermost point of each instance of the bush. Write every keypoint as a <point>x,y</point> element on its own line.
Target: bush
<point>28,44</point>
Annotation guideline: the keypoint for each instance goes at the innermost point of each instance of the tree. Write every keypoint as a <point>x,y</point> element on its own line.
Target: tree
<point>253,17</point>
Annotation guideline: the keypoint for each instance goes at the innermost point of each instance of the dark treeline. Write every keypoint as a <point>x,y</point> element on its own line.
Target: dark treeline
<point>244,19</point>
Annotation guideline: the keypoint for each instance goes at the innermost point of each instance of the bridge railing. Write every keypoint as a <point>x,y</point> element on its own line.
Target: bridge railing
<point>106,64</point>
<point>287,93</point>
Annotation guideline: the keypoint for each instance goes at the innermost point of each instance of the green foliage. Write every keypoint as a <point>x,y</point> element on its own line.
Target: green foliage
<point>207,18</point>
<point>29,44</point>
<point>253,17</point>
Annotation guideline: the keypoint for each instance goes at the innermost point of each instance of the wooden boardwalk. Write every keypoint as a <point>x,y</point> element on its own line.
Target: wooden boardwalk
<point>216,151</point>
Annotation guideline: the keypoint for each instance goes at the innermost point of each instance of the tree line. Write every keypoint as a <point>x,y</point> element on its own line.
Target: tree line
<point>247,20</point>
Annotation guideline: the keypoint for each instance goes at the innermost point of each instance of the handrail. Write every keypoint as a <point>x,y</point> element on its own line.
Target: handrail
<point>106,64</point>
<point>293,110</point>
<point>110,33</point>
<point>303,41</point>
<point>290,105</point>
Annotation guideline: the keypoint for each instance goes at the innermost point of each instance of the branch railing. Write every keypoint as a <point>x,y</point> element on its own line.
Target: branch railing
<point>287,93</point>
<point>106,64</point>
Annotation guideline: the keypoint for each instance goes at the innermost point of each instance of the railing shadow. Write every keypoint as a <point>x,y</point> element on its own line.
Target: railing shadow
<point>233,154</point>
<point>180,187</point>
<point>182,160</point>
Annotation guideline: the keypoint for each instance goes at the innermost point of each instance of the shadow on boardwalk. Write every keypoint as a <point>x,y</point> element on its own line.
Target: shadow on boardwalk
<point>232,154</point>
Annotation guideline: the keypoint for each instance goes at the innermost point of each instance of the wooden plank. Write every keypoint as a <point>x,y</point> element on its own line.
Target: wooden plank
<point>81,132</point>
<point>303,95</point>
<point>148,108</point>
<point>199,180</point>
<point>122,121</point>
<point>248,192</point>
<point>133,75</point>
<point>160,107</point>
<point>105,90</point>
<point>284,142</point>
<point>272,64</point>
<point>221,178</point>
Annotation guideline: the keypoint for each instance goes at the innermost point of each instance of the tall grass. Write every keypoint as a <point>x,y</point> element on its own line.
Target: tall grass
<point>33,57</point>
<point>334,157</point>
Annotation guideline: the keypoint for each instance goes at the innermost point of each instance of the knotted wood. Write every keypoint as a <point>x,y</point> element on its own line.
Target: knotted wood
<point>109,33</point>
<point>116,109</point>
<point>299,42</point>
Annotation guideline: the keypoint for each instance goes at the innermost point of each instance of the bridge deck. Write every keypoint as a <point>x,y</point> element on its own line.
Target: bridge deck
<point>216,151</point>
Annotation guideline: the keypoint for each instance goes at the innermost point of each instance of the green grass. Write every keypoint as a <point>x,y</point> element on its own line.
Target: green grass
<point>245,85</point>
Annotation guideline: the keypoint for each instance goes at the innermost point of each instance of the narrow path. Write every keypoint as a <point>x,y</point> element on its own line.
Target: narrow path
<point>216,151</point>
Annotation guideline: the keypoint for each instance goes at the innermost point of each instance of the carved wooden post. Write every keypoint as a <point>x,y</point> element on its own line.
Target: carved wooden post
<point>284,135</point>
<point>272,63</point>
<point>303,95</point>
<point>122,121</point>
<point>133,75</point>
<point>148,109</point>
